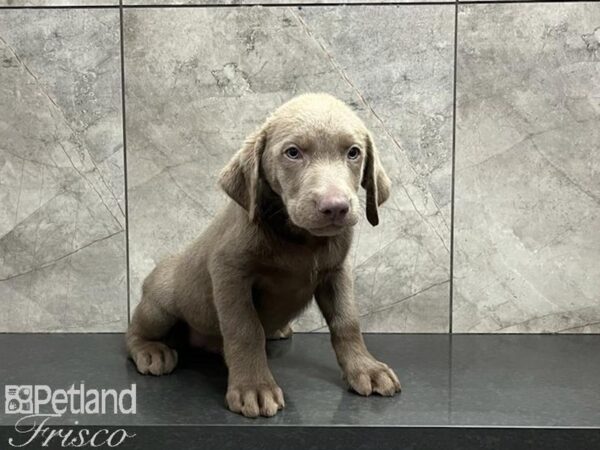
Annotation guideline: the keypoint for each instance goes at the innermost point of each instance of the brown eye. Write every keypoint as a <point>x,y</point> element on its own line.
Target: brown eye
<point>353,153</point>
<point>293,153</point>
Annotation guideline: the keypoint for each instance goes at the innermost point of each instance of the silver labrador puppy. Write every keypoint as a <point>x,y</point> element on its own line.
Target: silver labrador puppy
<point>284,238</point>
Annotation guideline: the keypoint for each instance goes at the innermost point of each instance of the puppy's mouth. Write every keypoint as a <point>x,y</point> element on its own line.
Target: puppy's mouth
<point>331,229</point>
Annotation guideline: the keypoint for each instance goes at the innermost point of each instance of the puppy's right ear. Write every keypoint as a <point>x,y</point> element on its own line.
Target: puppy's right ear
<point>375,181</point>
<point>240,177</point>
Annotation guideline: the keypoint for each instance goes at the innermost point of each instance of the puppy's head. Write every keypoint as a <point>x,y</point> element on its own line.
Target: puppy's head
<point>314,153</point>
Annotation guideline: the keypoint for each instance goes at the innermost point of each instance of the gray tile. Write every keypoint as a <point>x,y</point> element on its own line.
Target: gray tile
<point>267,2</point>
<point>62,245</point>
<point>304,366</point>
<point>457,382</point>
<point>528,168</point>
<point>199,80</point>
<point>524,381</point>
<point>410,314</point>
<point>7,3</point>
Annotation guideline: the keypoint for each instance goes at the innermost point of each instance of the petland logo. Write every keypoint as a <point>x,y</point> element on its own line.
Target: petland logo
<point>37,404</point>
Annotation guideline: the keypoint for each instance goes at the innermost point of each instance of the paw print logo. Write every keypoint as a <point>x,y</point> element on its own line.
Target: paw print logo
<point>18,399</point>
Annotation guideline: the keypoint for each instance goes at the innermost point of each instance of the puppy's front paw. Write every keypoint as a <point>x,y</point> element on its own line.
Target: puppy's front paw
<point>155,358</point>
<point>372,376</point>
<point>252,400</point>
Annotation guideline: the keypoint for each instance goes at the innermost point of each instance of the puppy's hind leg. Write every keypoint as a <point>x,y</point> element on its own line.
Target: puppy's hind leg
<point>150,324</point>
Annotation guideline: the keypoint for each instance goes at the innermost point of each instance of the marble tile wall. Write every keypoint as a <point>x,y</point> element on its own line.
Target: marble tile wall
<point>527,181</point>
<point>197,80</point>
<point>269,2</point>
<point>44,3</point>
<point>62,221</point>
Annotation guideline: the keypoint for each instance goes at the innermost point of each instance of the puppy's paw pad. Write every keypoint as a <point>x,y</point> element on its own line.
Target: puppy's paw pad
<point>155,358</point>
<point>254,400</point>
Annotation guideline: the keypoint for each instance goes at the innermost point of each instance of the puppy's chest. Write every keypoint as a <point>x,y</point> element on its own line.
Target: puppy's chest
<point>286,282</point>
<point>289,280</point>
<point>279,296</point>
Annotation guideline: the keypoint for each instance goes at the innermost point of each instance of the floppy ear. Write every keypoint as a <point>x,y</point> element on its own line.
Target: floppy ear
<point>375,181</point>
<point>240,177</point>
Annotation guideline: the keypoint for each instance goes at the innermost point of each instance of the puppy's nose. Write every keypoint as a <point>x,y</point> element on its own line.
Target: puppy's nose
<point>334,207</point>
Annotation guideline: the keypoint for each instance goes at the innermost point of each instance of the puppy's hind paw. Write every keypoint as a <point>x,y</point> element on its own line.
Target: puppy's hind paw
<point>283,333</point>
<point>155,358</point>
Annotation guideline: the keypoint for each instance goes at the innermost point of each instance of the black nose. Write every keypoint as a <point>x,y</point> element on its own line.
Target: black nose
<point>334,207</point>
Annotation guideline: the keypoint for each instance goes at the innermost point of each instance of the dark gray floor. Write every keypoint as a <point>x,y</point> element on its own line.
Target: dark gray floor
<point>475,380</point>
<point>472,381</point>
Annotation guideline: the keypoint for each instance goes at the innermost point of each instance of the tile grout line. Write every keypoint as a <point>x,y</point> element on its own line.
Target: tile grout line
<point>450,375</point>
<point>452,182</point>
<point>342,3</point>
<point>366,333</point>
<point>35,7</point>
<point>124,131</point>
<point>295,4</point>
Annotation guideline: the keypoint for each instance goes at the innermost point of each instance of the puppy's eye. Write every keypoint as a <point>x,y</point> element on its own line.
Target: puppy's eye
<point>293,153</point>
<point>353,153</point>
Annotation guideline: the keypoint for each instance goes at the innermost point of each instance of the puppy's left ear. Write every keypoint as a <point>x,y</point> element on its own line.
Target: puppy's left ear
<point>240,177</point>
<point>375,181</point>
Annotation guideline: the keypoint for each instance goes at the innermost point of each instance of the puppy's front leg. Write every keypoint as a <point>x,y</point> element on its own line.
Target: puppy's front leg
<point>335,297</point>
<point>251,389</point>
